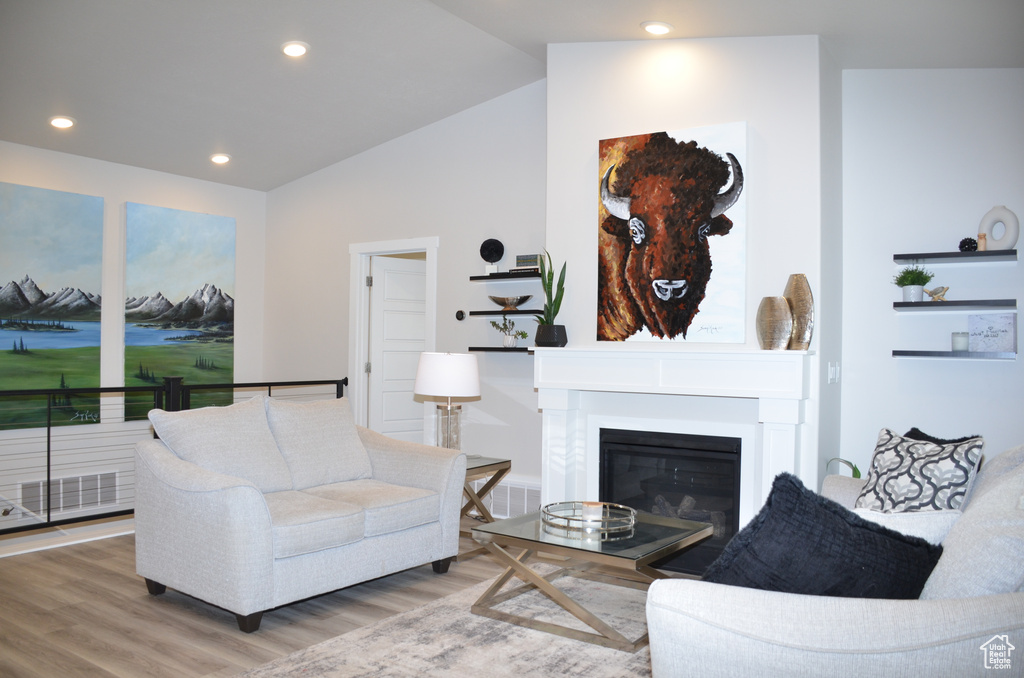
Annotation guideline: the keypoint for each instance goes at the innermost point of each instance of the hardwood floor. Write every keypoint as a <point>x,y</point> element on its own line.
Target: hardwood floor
<point>82,611</point>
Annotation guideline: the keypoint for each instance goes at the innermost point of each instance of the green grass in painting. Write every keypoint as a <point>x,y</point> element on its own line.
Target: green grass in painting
<point>197,363</point>
<point>42,369</point>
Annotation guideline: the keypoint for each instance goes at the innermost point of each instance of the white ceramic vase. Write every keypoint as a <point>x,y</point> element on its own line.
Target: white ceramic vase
<point>913,292</point>
<point>511,341</point>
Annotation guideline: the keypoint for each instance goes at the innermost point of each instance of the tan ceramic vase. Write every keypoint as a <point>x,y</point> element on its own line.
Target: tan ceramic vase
<point>774,323</point>
<point>801,304</point>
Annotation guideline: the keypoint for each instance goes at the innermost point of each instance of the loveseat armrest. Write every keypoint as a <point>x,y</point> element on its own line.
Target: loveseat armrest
<point>201,532</point>
<point>431,468</point>
<point>412,464</point>
<point>703,629</point>
<point>843,490</point>
<point>175,472</point>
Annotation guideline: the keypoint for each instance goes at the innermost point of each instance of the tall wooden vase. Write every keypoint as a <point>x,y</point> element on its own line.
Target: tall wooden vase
<point>801,304</point>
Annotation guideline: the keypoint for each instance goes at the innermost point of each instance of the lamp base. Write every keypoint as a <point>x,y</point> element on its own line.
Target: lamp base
<point>448,427</point>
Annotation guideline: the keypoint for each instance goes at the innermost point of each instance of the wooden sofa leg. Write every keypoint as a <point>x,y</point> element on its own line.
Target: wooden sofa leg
<point>441,566</point>
<point>248,623</point>
<point>155,588</point>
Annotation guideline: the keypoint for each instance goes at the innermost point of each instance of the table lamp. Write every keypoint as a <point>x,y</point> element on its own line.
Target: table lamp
<point>448,375</point>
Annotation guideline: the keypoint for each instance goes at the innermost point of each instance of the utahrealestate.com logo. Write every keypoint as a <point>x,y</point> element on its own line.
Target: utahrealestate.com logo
<point>997,651</point>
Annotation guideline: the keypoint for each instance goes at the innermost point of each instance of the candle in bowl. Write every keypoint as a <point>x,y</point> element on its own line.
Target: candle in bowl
<point>592,512</point>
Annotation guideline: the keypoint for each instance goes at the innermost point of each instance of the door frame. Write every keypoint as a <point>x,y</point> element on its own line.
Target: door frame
<point>359,309</point>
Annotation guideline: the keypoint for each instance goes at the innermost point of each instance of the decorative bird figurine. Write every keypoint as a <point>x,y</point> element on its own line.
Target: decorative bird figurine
<point>937,294</point>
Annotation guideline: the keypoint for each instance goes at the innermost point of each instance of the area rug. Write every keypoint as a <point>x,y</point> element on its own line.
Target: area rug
<point>443,638</point>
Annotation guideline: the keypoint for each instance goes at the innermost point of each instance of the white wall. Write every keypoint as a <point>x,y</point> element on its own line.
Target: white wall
<point>926,154</point>
<point>118,184</point>
<point>829,300</point>
<point>476,175</point>
<point>606,90</point>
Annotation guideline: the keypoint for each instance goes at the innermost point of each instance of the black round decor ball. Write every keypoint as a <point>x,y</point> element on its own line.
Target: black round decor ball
<point>968,245</point>
<point>492,250</point>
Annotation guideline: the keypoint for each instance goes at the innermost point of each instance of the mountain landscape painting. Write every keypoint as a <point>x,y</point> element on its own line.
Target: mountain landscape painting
<point>51,249</point>
<point>180,308</point>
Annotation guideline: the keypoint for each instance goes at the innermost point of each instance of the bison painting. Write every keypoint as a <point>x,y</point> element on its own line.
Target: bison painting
<point>662,201</point>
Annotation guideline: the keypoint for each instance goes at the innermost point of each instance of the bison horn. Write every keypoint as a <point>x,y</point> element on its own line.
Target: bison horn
<point>616,206</point>
<point>726,200</point>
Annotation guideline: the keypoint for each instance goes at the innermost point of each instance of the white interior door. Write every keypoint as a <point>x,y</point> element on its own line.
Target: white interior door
<point>397,337</point>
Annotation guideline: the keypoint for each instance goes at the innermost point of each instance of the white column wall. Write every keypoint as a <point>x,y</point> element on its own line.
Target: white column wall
<point>605,90</point>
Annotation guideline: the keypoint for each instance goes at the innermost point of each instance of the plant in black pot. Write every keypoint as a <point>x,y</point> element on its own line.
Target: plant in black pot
<point>548,333</point>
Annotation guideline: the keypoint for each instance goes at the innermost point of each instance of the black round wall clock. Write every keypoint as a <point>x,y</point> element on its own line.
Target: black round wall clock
<point>492,250</point>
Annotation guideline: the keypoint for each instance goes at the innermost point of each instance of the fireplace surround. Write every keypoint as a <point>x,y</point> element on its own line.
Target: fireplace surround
<point>761,397</point>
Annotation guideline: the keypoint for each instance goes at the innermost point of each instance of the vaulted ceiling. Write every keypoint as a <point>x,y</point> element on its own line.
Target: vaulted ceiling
<point>163,84</point>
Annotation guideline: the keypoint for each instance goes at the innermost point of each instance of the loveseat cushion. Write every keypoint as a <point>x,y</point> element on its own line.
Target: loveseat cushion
<point>318,441</point>
<point>303,523</point>
<point>984,551</point>
<point>388,508</point>
<point>801,542</point>
<point>233,440</point>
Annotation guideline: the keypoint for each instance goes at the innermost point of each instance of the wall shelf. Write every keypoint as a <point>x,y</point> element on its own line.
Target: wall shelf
<point>955,257</point>
<point>508,275</point>
<point>960,355</point>
<point>504,277</point>
<point>518,311</point>
<point>957,305</point>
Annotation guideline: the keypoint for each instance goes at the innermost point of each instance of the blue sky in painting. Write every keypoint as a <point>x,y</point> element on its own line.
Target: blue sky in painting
<point>176,252</point>
<point>55,238</point>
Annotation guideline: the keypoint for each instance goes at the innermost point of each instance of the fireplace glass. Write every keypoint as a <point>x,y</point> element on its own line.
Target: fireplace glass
<point>694,477</point>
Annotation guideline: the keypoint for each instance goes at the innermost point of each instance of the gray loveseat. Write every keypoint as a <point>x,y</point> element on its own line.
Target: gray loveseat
<point>972,603</point>
<point>267,502</point>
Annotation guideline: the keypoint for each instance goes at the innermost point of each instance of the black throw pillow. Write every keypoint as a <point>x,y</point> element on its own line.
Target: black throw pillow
<point>917,434</point>
<point>801,542</point>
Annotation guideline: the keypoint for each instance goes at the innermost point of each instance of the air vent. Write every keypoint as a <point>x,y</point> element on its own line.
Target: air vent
<point>510,499</point>
<point>71,494</point>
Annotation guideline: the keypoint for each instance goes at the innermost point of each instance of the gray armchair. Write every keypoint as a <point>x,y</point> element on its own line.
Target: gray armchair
<point>974,596</point>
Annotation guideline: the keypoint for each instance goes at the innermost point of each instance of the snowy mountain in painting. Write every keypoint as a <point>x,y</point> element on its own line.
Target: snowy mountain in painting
<point>206,306</point>
<point>25,300</point>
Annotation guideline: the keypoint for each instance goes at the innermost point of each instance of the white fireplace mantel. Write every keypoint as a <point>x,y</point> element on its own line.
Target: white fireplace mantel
<point>565,377</point>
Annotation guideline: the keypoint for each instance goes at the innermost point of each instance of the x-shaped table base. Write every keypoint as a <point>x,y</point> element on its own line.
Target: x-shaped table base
<point>475,498</point>
<point>604,634</point>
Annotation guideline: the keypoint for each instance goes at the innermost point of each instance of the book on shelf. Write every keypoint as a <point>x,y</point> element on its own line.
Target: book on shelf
<point>527,260</point>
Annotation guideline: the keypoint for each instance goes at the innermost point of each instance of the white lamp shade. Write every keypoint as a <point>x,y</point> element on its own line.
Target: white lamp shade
<point>453,375</point>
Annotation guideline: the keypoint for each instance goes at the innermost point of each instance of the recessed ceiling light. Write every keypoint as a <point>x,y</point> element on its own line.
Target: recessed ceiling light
<point>656,27</point>
<point>220,158</point>
<point>62,121</point>
<point>295,48</point>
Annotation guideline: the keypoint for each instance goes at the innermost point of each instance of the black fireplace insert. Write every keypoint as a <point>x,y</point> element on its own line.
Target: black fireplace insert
<point>681,475</point>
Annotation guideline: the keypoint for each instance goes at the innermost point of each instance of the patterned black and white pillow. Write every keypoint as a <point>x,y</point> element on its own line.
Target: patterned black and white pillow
<point>917,475</point>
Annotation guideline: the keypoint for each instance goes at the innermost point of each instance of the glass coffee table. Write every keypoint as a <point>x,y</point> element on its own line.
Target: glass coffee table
<point>625,561</point>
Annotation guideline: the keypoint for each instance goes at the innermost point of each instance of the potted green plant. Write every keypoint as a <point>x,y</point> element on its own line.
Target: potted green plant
<point>912,280</point>
<point>508,328</point>
<point>548,333</point>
